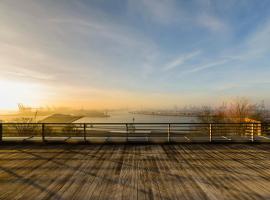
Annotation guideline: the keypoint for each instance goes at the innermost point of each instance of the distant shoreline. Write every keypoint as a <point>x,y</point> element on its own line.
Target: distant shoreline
<point>165,114</point>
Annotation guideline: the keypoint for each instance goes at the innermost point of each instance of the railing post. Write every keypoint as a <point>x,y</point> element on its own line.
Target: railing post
<point>210,132</point>
<point>169,131</point>
<point>43,132</point>
<point>252,132</point>
<point>84,132</point>
<point>127,132</point>
<point>1,131</point>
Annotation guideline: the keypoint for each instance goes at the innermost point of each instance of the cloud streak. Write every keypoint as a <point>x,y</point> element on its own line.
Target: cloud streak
<point>178,62</point>
<point>212,23</point>
<point>207,66</point>
<point>172,12</point>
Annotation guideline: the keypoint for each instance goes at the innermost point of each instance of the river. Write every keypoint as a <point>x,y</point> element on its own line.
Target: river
<point>126,117</point>
<point>120,117</point>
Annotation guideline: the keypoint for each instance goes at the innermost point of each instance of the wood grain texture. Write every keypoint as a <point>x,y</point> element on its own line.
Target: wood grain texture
<point>186,171</point>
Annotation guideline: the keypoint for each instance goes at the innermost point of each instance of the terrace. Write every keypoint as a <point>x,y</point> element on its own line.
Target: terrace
<point>190,161</point>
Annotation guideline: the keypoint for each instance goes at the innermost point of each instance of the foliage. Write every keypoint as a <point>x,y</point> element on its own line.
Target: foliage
<point>237,111</point>
<point>240,110</point>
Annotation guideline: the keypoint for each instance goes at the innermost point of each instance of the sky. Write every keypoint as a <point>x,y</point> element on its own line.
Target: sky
<point>133,53</point>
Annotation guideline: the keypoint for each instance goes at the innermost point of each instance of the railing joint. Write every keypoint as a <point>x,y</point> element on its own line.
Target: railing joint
<point>43,132</point>
<point>169,132</point>
<point>1,131</point>
<point>84,132</point>
<point>210,132</point>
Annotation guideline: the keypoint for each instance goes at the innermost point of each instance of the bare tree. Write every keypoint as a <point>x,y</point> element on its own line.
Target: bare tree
<point>26,126</point>
<point>240,110</point>
<point>220,114</point>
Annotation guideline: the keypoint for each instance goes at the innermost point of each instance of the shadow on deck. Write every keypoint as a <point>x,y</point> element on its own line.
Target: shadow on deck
<point>198,171</point>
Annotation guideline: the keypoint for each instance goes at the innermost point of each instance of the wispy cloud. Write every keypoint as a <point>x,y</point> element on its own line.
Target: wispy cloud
<point>255,46</point>
<point>57,46</point>
<point>212,23</point>
<point>242,84</point>
<point>176,12</point>
<point>207,66</point>
<point>258,43</point>
<point>115,33</point>
<point>178,62</point>
<point>160,11</point>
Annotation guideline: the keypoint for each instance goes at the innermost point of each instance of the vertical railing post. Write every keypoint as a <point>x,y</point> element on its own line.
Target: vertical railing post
<point>169,132</point>
<point>84,132</point>
<point>43,132</point>
<point>252,132</point>
<point>127,132</point>
<point>1,131</point>
<point>210,132</point>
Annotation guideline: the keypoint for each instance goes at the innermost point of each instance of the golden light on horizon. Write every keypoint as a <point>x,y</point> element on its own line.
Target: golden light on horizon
<point>14,92</point>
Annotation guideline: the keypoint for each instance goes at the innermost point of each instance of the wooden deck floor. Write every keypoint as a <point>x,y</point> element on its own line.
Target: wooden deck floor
<point>189,171</point>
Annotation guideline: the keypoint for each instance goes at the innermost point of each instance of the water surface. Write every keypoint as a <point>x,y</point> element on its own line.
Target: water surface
<point>126,117</point>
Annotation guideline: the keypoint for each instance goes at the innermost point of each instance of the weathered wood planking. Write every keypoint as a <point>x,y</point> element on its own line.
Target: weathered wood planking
<point>189,171</point>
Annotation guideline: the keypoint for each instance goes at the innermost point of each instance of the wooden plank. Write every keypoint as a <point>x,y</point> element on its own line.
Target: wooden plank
<point>188,171</point>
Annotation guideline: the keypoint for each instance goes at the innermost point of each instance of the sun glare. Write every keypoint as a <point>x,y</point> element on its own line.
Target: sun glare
<point>13,92</point>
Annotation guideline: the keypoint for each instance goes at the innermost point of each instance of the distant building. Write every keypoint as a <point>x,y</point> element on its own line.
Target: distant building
<point>60,118</point>
<point>255,126</point>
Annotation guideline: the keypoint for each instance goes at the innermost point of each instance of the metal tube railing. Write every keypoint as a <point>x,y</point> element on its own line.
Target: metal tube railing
<point>1,131</point>
<point>43,132</point>
<point>252,132</point>
<point>170,132</point>
<point>84,132</point>
<point>210,132</point>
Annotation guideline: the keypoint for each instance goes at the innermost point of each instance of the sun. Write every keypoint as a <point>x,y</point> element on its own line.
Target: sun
<point>14,92</point>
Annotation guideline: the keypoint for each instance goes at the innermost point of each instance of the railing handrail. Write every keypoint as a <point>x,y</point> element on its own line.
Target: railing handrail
<point>135,123</point>
<point>131,129</point>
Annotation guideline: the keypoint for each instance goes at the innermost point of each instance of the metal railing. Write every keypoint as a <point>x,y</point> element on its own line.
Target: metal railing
<point>136,132</point>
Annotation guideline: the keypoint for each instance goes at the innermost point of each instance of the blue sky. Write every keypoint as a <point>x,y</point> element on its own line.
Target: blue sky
<point>150,53</point>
